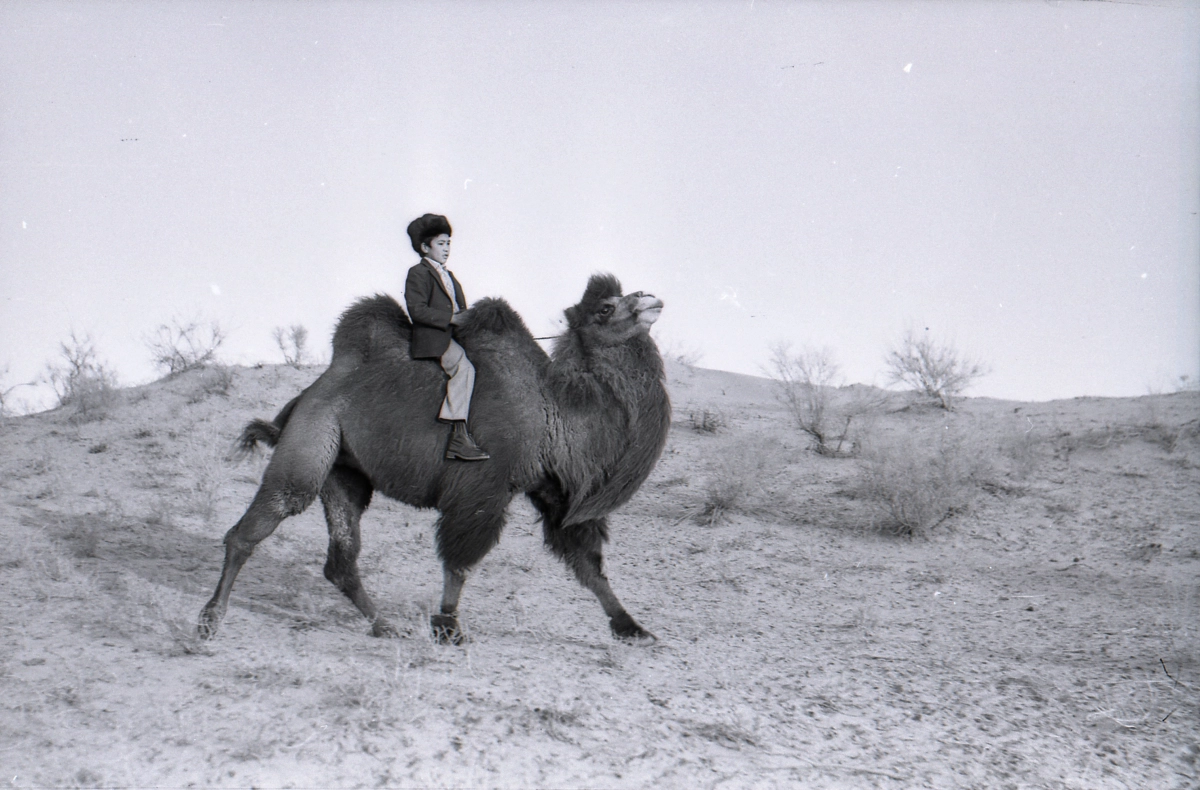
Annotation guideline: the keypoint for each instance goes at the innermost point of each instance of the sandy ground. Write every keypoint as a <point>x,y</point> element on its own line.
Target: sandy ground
<point>1044,635</point>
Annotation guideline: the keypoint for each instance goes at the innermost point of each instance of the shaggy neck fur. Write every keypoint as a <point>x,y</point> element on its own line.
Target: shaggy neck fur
<point>611,420</point>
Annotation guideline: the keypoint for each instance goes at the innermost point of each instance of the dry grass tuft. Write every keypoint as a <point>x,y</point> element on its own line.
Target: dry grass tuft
<point>1021,445</point>
<point>706,420</point>
<point>555,722</point>
<point>216,380</point>
<point>207,470</point>
<point>726,735</point>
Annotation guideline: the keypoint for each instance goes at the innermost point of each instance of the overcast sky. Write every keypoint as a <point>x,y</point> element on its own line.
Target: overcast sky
<point>1020,179</point>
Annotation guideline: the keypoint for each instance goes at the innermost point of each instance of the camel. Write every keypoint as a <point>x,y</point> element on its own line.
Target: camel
<point>576,431</point>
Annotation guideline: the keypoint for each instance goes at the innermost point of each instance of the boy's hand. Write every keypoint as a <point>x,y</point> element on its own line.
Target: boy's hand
<point>459,318</point>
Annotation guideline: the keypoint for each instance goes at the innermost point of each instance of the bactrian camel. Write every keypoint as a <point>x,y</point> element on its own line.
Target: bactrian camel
<point>577,431</point>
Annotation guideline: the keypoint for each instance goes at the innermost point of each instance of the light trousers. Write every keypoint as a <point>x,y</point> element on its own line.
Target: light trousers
<point>461,384</point>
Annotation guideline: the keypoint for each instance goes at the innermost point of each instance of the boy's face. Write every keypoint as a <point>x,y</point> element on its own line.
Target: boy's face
<point>437,248</point>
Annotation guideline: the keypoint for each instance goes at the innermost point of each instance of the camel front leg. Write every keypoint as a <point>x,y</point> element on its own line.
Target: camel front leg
<point>446,629</point>
<point>579,546</point>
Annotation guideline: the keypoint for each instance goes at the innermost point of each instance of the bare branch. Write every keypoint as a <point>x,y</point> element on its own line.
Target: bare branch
<point>293,343</point>
<point>805,383</point>
<point>178,347</point>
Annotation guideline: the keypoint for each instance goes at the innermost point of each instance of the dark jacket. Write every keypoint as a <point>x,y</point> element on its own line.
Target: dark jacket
<point>430,308</point>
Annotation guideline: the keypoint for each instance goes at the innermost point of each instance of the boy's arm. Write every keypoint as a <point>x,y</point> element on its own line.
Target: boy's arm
<point>416,297</point>
<point>459,293</point>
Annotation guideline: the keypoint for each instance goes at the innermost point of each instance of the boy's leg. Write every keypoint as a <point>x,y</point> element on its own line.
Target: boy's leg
<point>457,404</point>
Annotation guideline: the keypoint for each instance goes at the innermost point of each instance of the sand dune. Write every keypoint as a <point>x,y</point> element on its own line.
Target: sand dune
<point>1042,631</point>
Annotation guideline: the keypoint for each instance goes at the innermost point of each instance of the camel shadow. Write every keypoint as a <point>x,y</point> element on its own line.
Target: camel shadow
<point>108,546</point>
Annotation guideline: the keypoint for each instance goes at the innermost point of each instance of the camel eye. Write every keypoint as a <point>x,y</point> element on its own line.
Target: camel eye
<point>606,311</point>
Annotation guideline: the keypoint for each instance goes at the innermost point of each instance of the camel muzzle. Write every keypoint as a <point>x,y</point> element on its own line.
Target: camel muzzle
<point>649,308</point>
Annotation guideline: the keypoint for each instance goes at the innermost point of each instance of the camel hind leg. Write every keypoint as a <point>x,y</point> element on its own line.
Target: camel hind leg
<point>301,462</point>
<point>345,495</point>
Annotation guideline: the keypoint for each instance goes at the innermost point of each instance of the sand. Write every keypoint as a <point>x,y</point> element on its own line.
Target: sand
<point>1044,633</point>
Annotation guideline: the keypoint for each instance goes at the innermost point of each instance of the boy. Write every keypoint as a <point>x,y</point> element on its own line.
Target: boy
<point>435,303</point>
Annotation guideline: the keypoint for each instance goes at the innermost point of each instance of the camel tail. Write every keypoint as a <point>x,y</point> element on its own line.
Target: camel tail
<point>258,431</point>
<point>261,431</point>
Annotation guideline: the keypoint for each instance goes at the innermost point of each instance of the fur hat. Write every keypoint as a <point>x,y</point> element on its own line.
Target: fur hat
<point>425,227</point>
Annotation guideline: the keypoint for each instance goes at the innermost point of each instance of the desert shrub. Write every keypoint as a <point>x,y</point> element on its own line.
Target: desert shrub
<point>933,369</point>
<point>292,343</point>
<point>80,380</point>
<point>1155,428</point>
<point>6,393</point>
<point>706,420</point>
<point>916,482</point>
<point>1168,437</point>
<point>736,478</point>
<point>213,380</point>
<point>806,384</point>
<point>178,347</point>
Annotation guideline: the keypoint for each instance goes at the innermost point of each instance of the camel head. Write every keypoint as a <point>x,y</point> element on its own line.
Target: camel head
<point>605,316</point>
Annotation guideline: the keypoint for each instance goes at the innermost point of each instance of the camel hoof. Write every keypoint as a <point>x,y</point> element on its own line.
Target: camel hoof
<point>644,639</point>
<point>626,629</point>
<point>446,630</point>
<point>206,628</point>
<point>382,628</point>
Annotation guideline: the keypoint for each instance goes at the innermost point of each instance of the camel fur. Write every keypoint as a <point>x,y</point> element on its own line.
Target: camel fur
<point>577,431</point>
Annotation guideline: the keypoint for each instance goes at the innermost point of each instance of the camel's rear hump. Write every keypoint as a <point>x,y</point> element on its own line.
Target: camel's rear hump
<point>371,321</point>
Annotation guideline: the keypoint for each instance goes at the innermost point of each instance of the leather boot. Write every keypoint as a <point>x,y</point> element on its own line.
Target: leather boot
<point>462,447</point>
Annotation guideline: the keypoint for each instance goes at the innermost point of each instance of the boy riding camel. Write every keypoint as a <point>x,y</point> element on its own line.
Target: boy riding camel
<point>435,303</point>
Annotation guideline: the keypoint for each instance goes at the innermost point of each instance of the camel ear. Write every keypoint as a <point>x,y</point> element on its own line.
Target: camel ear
<point>599,288</point>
